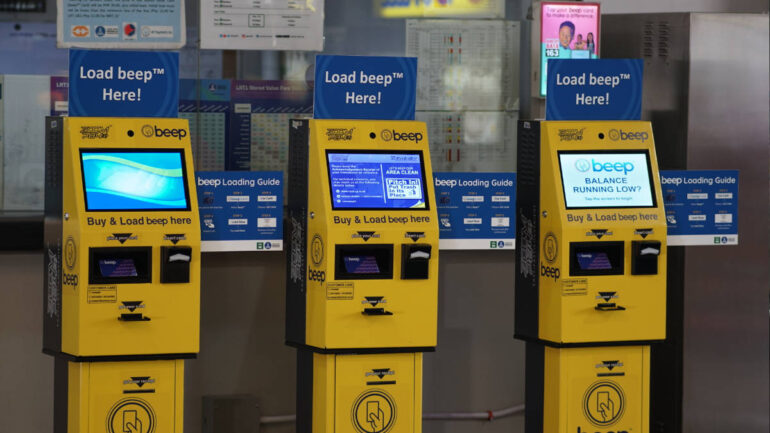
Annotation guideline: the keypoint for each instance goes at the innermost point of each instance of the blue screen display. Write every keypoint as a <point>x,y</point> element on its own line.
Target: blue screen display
<point>377,180</point>
<point>605,180</point>
<point>134,180</point>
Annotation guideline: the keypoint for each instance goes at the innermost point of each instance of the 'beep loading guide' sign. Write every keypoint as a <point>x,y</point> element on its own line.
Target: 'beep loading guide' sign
<point>123,84</point>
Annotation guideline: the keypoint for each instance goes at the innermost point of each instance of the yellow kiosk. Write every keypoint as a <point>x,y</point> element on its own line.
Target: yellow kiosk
<point>362,273</point>
<point>591,273</point>
<point>122,266</point>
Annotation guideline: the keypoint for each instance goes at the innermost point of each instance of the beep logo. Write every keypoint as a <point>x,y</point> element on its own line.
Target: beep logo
<point>388,135</point>
<point>620,135</point>
<point>583,165</point>
<point>153,131</point>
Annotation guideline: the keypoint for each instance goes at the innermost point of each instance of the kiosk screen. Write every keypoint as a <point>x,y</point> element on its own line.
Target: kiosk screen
<point>140,180</point>
<point>377,180</point>
<point>606,180</point>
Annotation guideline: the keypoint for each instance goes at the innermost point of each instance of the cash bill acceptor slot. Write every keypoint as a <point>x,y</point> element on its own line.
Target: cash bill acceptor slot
<point>122,266</point>
<point>362,272</point>
<point>591,273</point>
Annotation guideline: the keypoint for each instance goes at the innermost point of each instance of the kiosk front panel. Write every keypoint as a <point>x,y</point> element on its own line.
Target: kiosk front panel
<point>122,239</point>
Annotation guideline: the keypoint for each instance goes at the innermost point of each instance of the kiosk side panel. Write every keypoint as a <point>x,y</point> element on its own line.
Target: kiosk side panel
<point>296,232</point>
<point>52,256</point>
<point>527,229</point>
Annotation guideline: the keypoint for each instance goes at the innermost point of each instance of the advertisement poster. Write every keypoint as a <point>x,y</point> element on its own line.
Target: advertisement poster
<point>599,89</point>
<point>440,8</point>
<point>240,211</point>
<point>123,83</point>
<point>206,106</point>
<point>476,211</point>
<point>362,87</point>
<point>701,206</point>
<point>150,24</point>
<point>262,25</point>
<point>567,31</point>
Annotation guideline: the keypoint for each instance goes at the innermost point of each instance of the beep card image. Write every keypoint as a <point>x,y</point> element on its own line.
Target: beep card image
<point>701,206</point>
<point>606,180</point>
<point>567,31</point>
<point>359,87</point>
<point>240,211</point>
<point>123,83</point>
<point>377,180</point>
<point>476,210</point>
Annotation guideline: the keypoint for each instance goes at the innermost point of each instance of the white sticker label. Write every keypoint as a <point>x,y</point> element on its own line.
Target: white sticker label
<point>237,221</point>
<point>473,198</point>
<point>723,218</point>
<point>697,196</point>
<point>723,195</point>
<point>501,222</point>
<point>472,221</point>
<point>501,199</point>
<point>269,198</point>
<point>267,222</point>
<point>697,217</point>
<point>237,199</point>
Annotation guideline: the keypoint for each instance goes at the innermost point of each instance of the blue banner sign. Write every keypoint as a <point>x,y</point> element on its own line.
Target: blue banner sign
<point>356,87</point>
<point>123,84</point>
<point>597,89</point>
<point>476,210</point>
<point>701,206</point>
<point>241,211</point>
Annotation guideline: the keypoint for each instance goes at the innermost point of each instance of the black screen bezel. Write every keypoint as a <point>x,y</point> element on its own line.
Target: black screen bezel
<point>425,189</point>
<point>646,152</point>
<point>181,153</point>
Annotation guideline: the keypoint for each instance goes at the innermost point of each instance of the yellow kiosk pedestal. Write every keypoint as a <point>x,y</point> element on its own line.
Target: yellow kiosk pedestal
<point>122,267</point>
<point>362,273</point>
<point>591,273</point>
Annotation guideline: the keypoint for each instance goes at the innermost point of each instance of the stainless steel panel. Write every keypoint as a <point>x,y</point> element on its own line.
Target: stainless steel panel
<point>726,288</point>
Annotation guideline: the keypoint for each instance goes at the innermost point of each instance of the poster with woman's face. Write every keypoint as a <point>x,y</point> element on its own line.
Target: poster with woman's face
<point>567,31</point>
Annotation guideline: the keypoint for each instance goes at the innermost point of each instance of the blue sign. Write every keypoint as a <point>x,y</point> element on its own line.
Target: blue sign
<point>123,84</point>
<point>597,89</point>
<point>701,206</point>
<point>355,87</point>
<point>476,210</point>
<point>241,211</point>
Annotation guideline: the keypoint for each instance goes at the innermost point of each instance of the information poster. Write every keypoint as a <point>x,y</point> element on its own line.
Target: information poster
<point>701,206</point>
<point>465,64</point>
<point>206,106</point>
<point>259,130</point>
<point>471,141</point>
<point>150,24</point>
<point>476,210</point>
<point>567,31</point>
<point>262,25</point>
<point>240,211</point>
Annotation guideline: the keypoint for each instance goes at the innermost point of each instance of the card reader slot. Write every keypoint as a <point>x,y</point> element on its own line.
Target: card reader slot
<point>596,258</point>
<point>120,265</point>
<point>363,262</point>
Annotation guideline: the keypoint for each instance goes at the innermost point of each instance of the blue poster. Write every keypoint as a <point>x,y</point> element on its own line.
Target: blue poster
<point>206,106</point>
<point>596,89</point>
<point>123,84</point>
<point>476,210</point>
<point>701,206</point>
<point>151,24</point>
<point>241,211</point>
<point>358,87</point>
